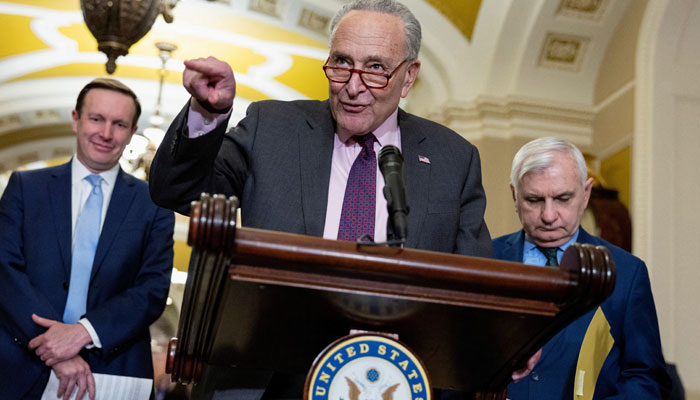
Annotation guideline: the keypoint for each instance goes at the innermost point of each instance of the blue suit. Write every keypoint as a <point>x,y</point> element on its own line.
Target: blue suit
<point>634,368</point>
<point>129,281</point>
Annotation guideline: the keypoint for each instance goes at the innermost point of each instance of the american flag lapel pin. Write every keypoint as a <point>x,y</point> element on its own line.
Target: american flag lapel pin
<point>423,159</point>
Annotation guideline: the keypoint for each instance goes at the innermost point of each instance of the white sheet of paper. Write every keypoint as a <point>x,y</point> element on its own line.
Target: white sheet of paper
<point>107,387</point>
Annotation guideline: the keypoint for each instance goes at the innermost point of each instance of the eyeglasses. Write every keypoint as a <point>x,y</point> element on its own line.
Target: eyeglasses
<point>374,80</point>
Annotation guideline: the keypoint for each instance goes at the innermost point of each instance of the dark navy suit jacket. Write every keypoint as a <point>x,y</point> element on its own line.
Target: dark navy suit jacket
<point>128,286</point>
<point>634,368</point>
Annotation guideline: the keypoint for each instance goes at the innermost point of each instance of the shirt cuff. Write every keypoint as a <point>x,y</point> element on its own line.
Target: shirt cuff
<point>200,121</point>
<point>93,335</point>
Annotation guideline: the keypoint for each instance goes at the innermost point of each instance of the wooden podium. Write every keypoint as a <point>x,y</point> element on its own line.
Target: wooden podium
<point>273,301</point>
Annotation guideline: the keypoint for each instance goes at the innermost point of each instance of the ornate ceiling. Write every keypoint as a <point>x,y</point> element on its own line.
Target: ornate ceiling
<point>479,58</point>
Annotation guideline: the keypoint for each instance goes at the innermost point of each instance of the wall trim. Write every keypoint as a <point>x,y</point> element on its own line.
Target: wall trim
<point>510,117</point>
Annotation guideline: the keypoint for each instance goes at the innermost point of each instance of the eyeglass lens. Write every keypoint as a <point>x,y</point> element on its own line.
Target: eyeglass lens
<point>342,75</point>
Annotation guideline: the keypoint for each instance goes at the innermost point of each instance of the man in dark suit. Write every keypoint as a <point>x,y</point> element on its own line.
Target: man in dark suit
<point>613,351</point>
<point>289,162</point>
<point>74,300</point>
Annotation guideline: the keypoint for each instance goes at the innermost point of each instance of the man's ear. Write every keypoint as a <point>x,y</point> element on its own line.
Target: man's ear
<point>512,191</point>
<point>587,188</point>
<point>411,75</point>
<point>75,117</point>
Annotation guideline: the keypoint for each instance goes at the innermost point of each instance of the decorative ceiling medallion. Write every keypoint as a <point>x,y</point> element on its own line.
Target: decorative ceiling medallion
<point>314,21</point>
<point>562,51</point>
<point>272,8</point>
<point>585,9</point>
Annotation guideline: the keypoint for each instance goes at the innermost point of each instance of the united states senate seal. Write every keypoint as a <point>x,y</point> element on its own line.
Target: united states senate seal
<point>367,366</point>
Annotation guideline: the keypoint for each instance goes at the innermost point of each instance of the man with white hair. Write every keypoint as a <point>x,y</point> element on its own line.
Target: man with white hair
<point>310,167</point>
<point>612,351</point>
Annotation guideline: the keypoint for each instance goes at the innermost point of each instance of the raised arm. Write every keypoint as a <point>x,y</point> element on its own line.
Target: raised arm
<point>182,167</point>
<point>210,82</point>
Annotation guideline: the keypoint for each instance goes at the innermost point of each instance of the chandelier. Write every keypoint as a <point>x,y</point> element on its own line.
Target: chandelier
<point>138,155</point>
<point>118,24</point>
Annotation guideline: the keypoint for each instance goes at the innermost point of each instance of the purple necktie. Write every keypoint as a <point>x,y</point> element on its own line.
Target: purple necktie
<point>359,203</point>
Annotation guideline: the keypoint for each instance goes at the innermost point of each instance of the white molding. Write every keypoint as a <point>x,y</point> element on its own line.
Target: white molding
<point>616,146</point>
<point>508,117</point>
<point>16,156</point>
<point>664,180</point>
<point>32,118</point>
<point>614,96</point>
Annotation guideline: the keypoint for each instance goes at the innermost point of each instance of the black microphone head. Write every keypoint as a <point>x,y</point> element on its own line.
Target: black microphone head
<point>389,149</point>
<point>389,154</point>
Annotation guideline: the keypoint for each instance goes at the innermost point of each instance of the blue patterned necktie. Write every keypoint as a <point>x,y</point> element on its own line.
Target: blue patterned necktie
<point>551,254</point>
<point>87,233</point>
<point>359,203</point>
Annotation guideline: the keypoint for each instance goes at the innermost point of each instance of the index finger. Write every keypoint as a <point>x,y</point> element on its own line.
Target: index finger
<point>206,66</point>
<point>36,342</point>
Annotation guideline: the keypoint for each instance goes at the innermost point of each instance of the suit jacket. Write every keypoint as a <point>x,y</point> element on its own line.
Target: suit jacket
<point>277,160</point>
<point>129,281</point>
<point>634,368</point>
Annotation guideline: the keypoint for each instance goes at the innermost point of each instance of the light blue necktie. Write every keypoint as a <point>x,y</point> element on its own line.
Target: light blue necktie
<point>87,233</point>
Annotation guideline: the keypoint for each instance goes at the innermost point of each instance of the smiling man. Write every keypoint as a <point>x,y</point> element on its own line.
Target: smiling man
<point>618,343</point>
<point>85,259</point>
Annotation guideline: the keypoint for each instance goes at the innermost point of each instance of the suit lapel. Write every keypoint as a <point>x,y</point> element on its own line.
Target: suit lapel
<point>119,204</point>
<point>416,176</point>
<point>60,192</point>
<point>315,155</point>
<point>514,247</point>
<point>584,237</point>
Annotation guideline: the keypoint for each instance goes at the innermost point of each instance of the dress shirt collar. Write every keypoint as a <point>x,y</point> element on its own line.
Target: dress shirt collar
<point>80,171</point>
<point>533,256</point>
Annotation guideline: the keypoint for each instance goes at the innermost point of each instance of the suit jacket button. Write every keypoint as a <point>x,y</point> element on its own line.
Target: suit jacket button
<point>65,285</point>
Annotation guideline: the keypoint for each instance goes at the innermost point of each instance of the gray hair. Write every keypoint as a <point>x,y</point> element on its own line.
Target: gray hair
<point>411,25</point>
<point>538,155</point>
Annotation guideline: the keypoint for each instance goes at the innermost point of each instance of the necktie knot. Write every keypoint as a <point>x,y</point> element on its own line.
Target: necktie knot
<point>95,181</point>
<point>551,254</point>
<point>366,141</point>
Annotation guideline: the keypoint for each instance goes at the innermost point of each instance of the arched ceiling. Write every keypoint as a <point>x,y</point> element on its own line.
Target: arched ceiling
<point>476,55</point>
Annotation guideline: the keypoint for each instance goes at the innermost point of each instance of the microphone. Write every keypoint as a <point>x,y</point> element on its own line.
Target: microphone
<point>391,164</point>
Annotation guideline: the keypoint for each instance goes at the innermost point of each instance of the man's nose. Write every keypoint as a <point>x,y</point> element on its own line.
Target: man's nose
<point>549,212</point>
<point>107,131</point>
<point>355,85</point>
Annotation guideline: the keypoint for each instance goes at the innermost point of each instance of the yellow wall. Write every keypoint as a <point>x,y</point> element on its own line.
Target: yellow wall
<point>616,172</point>
<point>182,255</point>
